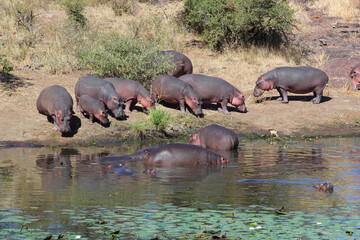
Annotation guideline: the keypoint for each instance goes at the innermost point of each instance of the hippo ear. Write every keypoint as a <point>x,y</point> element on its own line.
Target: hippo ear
<point>194,99</point>
<point>114,99</point>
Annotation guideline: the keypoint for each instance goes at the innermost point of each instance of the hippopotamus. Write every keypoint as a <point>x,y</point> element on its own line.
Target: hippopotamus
<point>100,89</point>
<point>324,187</point>
<point>355,76</point>
<point>93,108</point>
<point>182,63</point>
<point>139,155</point>
<point>180,154</point>
<point>216,90</point>
<point>293,79</point>
<point>56,103</point>
<point>173,90</point>
<point>215,137</point>
<point>132,92</point>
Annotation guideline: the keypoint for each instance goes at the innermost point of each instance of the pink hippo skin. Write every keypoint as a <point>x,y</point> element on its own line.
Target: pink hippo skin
<point>179,154</point>
<point>93,108</point>
<point>132,92</point>
<point>216,90</point>
<point>355,77</point>
<point>182,63</point>
<point>293,79</point>
<point>172,90</point>
<point>56,103</point>
<point>215,137</point>
<point>102,90</point>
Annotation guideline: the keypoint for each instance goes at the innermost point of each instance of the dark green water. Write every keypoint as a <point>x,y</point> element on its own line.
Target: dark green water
<point>67,192</point>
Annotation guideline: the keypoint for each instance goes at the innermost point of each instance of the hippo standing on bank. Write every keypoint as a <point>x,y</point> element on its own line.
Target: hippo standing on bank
<point>216,90</point>
<point>57,104</point>
<point>215,137</point>
<point>93,108</point>
<point>173,90</point>
<point>132,92</point>
<point>293,79</point>
<point>179,154</point>
<point>101,90</point>
<point>182,63</point>
<point>355,77</point>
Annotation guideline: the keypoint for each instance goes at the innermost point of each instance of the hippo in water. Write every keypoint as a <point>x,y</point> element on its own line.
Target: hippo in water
<point>173,90</point>
<point>215,137</point>
<point>56,103</point>
<point>293,79</point>
<point>216,90</point>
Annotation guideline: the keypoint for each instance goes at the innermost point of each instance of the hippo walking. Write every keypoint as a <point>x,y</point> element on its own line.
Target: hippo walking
<point>179,154</point>
<point>132,92</point>
<point>182,63</point>
<point>101,90</point>
<point>215,137</point>
<point>293,79</point>
<point>56,103</point>
<point>216,90</point>
<point>93,108</point>
<point>355,77</point>
<point>173,90</point>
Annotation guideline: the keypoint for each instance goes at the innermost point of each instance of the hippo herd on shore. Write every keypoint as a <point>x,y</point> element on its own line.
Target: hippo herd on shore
<point>97,97</point>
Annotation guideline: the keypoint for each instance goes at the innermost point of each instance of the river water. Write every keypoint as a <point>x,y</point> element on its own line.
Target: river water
<point>265,192</point>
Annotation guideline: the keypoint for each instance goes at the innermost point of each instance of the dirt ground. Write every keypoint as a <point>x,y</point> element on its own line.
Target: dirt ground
<point>337,114</point>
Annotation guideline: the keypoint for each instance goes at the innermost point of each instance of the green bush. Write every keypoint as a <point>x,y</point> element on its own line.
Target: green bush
<point>5,67</point>
<point>74,9</point>
<point>234,22</point>
<point>113,55</point>
<point>160,119</point>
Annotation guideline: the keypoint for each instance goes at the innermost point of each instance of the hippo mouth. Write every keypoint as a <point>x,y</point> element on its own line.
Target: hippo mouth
<point>242,108</point>
<point>119,113</point>
<point>258,92</point>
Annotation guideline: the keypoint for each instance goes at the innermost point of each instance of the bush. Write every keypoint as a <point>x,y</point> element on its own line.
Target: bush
<point>74,9</point>
<point>229,22</point>
<point>5,67</point>
<point>160,119</point>
<point>116,56</point>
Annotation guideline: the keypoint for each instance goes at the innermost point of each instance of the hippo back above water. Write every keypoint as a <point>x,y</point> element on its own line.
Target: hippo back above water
<point>216,90</point>
<point>182,63</point>
<point>57,104</point>
<point>293,79</point>
<point>179,154</point>
<point>102,90</point>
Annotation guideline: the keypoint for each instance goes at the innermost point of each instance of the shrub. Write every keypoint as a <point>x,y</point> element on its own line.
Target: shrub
<point>160,119</point>
<point>5,67</point>
<point>229,22</point>
<point>74,9</point>
<point>138,129</point>
<point>123,6</point>
<point>116,56</point>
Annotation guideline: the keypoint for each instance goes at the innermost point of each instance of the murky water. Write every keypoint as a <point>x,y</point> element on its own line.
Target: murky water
<point>67,192</point>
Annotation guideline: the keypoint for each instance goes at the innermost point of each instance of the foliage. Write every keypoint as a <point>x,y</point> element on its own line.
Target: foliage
<point>229,22</point>
<point>121,7</point>
<point>5,66</point>
<point>115,56</point>
<point>138,129</point>
<point>160,119</point>
<point>74,9</point>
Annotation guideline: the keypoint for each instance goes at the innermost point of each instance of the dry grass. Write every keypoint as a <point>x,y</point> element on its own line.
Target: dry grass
<point>348,10</point>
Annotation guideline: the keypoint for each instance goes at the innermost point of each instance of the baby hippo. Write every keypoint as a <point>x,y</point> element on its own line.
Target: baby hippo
<point>93,108</point>
<point>215,137</point>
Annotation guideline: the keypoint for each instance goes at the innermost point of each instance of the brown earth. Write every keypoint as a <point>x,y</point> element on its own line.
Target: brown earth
<point>337,114</point>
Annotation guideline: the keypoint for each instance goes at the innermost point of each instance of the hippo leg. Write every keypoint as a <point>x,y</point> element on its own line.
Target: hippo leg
<point>128,106</point>
<point>182,106</point>
<point>317,98</point>
<point>222,107</point>
<point>56,126</point>
<point>132,106</point>
<point>283,95</point>
<point>91,118</point>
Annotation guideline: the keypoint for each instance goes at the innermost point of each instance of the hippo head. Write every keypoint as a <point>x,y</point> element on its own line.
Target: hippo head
<point>115,105</point>
<point>355,82</point>
<point>62,121</point>
<point>263,85</point>
<point>195,104</point>
<point>195,140</point>
<point>148,102</point>
<point>324,187</point>
<point>239,102</point>
<point>102,116</point>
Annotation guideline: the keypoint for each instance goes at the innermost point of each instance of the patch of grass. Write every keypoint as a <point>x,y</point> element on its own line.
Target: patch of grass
<point>347,10</point>
<point>160,119</point>
<point>138,129</point>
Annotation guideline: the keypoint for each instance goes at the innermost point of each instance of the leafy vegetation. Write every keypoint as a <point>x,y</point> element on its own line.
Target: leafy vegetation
<point>230,22</point>
<point>160,119</point>
<point>5,67</point>
<point>75,11</point>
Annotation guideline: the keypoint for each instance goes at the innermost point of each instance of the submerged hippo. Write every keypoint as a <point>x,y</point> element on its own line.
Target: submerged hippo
<point>173,90</point>
<point>293,79</point>
<point>132,92</point>
<point>182,63</point>
<point>102,90</point>
<point>215,137</point>
<point>355,77</point>
<point>216,90</point>
<point>93,108</point>
<point>56,103</point>
<point>179,154</point>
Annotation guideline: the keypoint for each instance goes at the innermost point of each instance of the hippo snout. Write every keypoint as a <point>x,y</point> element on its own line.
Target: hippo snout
<point>258,92</point>
<point>199,112</point>
<point>119,113</point>
<point>242,108</point>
